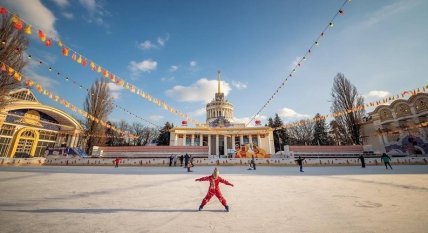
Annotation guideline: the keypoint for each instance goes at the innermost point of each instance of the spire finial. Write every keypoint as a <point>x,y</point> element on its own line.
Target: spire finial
<point>218,79</point>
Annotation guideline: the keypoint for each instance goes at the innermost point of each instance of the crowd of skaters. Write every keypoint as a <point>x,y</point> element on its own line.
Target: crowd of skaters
<point>187,160</point>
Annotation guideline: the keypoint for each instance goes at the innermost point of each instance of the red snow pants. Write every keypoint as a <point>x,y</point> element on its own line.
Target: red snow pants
<point>210,194</point>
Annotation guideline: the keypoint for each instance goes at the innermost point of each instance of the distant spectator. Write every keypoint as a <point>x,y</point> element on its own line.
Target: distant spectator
<point>170,160</point>
<point>175,160</point>
<point>252,163</point>
<point>385,158</point>
<point>363,162</point>
<point>181,160</point>
<point>300,162</point>
<point>186,160</point>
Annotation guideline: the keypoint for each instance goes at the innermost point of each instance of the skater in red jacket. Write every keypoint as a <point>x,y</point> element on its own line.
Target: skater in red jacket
<point>214,189</point>
<point>116,162</point>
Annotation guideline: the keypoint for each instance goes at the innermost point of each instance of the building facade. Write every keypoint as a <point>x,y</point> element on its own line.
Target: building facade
<point>222,136</point>
<point>28,127</point>
<point>398,128</point>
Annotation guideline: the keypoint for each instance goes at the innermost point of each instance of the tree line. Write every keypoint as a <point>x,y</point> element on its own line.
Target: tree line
<point>342,130</point>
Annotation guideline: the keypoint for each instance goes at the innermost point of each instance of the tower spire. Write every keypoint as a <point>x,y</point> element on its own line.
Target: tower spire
<point>218,79</point>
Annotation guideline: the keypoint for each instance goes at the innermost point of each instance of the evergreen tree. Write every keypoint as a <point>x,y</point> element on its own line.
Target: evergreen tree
<point>280,136</point>
<point>320,131</point>
<point>164,134</point>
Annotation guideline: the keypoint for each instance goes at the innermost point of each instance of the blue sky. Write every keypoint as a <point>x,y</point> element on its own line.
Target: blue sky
<point>172,50</point>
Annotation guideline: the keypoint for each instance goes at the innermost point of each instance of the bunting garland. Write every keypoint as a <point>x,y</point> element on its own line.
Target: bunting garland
<point>39,88</point>
<point>301,60</point>
<point>77,84</point>
<point>81,59</point>
<point>376,103</point>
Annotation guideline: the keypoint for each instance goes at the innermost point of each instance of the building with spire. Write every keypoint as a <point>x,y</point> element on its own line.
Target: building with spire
<point>223,136</point>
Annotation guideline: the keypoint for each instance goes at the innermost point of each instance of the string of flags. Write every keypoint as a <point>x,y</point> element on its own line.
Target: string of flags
<point>376,103</point>
<point>20,24</point>
<point>301,61</point>
<point>29,83</point>
<point>31,58</point>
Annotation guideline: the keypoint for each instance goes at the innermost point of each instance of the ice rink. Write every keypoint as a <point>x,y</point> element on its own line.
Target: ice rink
<point>164,199</point>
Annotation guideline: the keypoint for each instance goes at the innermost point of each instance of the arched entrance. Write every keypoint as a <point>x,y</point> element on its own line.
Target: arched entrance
<point>25,142</point>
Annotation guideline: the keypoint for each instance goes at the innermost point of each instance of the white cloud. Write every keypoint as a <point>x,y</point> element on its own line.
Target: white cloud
<point>173,68</point>
<point>198,112</point>
<point>377,94</point>
<point>143,66</point>
<point>34,12</point>
<point>61,3</point>
<point>156,118</point>
<point>68,15</point>
<point>290,113</point>
<point>146,45</point>
<point>161,40</point>
<point>390,10</point>
<point>193,63</point>
<point>90,5</point>
<point>167,79</point>
<point>45,81</point>
<point>203,90</point>
<point>115,90</point>
<point>239,85</point>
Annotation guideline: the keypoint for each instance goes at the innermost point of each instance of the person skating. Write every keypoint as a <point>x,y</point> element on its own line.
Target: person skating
<point>190,164</point>
<point>300,162</point>
<point>385,158</point>
<point>186,159</point>
<point>253,163</point>
<point>214,189</point>
<point>363,162</point>
<point>170,160</point>
<point>181,160</point>
<point>116,162</point>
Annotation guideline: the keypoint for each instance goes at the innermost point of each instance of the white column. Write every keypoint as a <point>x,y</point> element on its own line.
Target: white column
<point>225,145</point>
<point>175,139</point>
<point>217,149</point>
<point>250,139</point>
<point>270,149</point>
<point>192,141</point>
<point>259,143</point>
<point>209,144</point>
<point>201,137</point>
<point>233,142</point>
<point>184,139</point>
<point>241,139</point>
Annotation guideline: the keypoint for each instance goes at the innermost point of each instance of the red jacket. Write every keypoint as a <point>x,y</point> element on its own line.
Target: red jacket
<point>214,182</point>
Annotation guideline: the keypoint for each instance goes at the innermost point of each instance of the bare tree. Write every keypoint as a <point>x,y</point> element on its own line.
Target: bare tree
<point>98,103</point>
<point>13,43</point>
<point>345,99</point>
<point>149,135</point>
<point>302,134</point>
<point>137,130</point>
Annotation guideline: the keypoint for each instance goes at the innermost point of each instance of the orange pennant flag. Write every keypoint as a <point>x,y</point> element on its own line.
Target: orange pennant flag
<point>42,36</point>
<point>3,67</point>
<point>17,76</point>
<point>48,42</point>
<point>64,51</point>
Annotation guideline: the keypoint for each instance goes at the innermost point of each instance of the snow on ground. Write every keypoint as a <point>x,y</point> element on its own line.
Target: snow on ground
<point>163,199</point>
